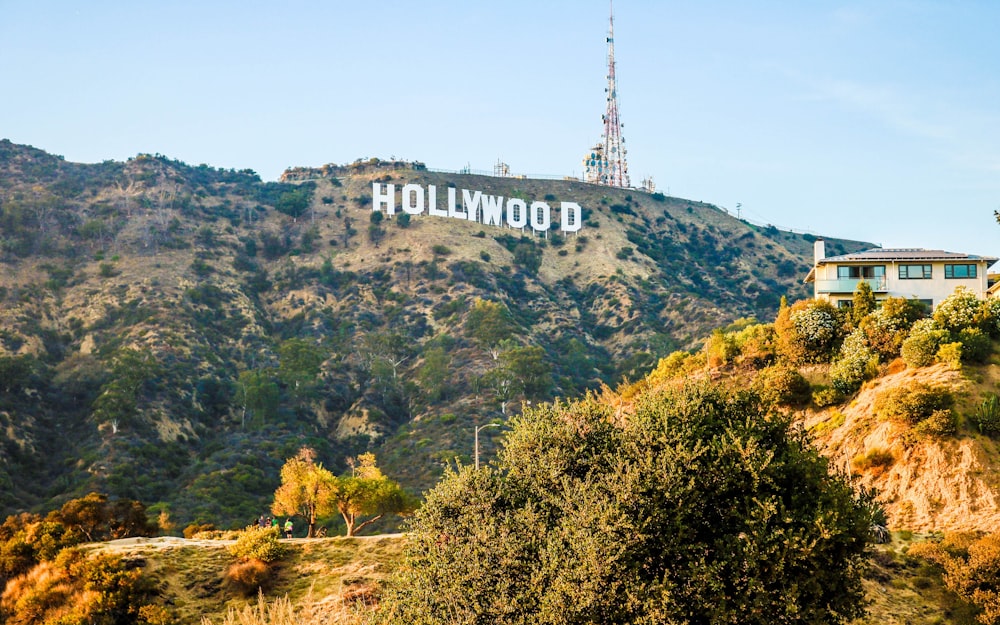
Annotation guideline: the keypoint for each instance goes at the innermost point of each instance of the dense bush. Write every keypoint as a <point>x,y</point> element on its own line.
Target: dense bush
<point>887,327</point>
<point>939,423</point>
<point>991,317</point>
<point>248,577</point>
<point>782,385</point>
<point>976,346</point>
<point>856,364</point>
<point>720,349</point>
<point>756,345</point>
<point>912,403</point>
<point>258,543</point>
<point>79,589</point>
<point>824,396</point>
<point>921,347</point>
<point>197,528</point>
<point>971,567</point>
<point>959,310</point>
<point>676,364</point>
<point>950,354</point>
<point>682,511</point>
<point>808,331</point>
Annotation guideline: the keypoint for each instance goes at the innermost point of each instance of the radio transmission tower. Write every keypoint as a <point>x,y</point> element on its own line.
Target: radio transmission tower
<point>606,162</point>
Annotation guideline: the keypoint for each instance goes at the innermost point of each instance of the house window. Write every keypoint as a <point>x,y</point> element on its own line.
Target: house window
<point>960,271</point>
<point>856,272</point>
<point>914,272</point>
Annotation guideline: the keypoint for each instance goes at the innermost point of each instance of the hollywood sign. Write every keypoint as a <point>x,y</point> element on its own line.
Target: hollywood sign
<point>490,210</point>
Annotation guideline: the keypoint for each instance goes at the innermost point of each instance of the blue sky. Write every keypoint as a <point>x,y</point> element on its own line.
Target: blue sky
<point>871,120</point>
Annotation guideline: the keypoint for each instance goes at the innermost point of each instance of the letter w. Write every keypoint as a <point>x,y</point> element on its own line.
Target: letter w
<point>493,210</point>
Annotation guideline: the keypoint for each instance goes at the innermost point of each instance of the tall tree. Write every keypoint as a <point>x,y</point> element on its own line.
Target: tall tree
<point>307,489</point>
<point>434,372</point>
<point>299,365</point>
<point>489,323</point>
<point>368,493</point>
<point>257,393</point>
<point>695,507</point>
<point>863,303</point>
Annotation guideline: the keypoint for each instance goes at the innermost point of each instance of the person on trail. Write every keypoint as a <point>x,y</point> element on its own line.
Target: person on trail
<point>274,522</point>
<point>288,528</point>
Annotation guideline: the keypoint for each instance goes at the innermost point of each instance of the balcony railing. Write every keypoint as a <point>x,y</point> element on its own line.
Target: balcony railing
<point>848,285</point>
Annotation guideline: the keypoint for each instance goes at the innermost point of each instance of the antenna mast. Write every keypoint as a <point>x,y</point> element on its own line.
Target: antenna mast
<point>606,163</point>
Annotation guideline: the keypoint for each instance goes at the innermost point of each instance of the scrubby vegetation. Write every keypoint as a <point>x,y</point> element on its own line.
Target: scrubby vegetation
<point>173,333</point>
<point>683,509</point>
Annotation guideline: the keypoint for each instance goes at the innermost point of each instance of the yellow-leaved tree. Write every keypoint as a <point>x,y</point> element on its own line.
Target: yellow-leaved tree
<point>306,489</point>
<point>365,496</point>
<point>369,493</point>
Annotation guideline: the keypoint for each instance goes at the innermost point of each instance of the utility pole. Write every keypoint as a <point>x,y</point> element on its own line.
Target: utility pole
<point>482,427</point>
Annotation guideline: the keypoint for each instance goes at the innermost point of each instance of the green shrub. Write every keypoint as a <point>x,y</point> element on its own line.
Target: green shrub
<point>856,364</point>
<point>825,396</point>
<point>912,403</point>
<point>756,344</point>
<point>959,310</point>
<point>836,420</point>
<point>939,423</point>
<point>720,349</point>
<point>987,417</point>
<point>887,327</point>
<point>440,250</point>
<point>951,354</point>
<point>921,347</point>
<point>258,543</point>
<point>808,331</point>
<point>990,321</point>
<point>783,386</point>
<point>976,346</point>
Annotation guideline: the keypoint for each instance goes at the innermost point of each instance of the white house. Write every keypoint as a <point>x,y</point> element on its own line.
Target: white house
<point>926,275</point>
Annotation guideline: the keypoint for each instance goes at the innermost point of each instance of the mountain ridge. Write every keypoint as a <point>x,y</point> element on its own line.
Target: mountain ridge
<point>173,333</point>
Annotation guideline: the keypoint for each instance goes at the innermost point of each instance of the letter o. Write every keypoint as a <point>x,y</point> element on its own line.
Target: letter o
<point>517,213</point>
<point>541,216</point>
<point>413,199</point>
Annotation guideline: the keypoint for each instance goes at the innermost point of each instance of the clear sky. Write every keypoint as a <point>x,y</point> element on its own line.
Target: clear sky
<point>873,120</point>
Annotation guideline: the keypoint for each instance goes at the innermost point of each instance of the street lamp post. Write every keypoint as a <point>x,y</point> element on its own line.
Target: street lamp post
<point>482,427</point>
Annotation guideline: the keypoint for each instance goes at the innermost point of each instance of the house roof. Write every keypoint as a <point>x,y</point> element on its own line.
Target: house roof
<point>903,254</point>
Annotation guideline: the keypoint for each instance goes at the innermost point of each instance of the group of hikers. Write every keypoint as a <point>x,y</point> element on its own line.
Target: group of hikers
<point>266,521</point>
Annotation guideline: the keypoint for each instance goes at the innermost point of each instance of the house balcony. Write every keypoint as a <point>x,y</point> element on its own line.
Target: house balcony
<point>848,285</point>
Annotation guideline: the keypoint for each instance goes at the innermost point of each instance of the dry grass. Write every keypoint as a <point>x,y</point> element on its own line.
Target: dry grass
<point>283,611</point>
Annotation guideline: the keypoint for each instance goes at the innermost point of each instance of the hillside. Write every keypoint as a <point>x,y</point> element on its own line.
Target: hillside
<point>172,333</point>
<point>930,484</point>
<point>336,580</point>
